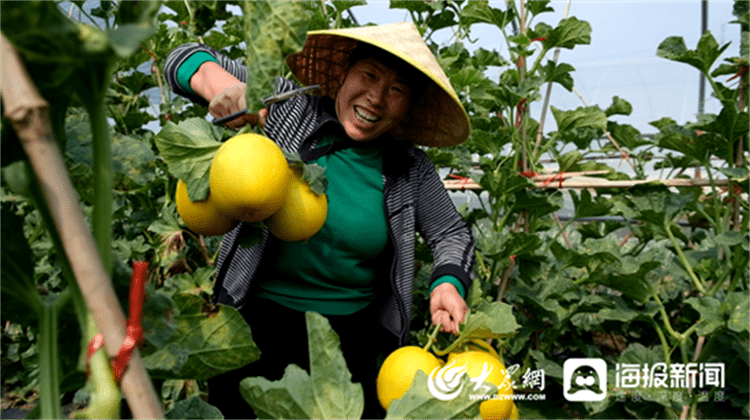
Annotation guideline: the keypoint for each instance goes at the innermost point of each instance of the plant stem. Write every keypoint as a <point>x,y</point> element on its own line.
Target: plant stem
<point>103,184</point>
<point>74,289</point>
<point>563,228</point>
<point>718,226</point>
<point>665,317</point>
<point>717,92</point>
<point>696,281</point>
<point>431,338</point>
<point>662,338</point>
<point>49,363</point>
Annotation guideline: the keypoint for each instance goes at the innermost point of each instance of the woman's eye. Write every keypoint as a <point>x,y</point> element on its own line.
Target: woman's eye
<point>402,90</point>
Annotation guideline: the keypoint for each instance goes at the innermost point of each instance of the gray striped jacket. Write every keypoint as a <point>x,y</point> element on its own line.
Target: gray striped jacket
<point>415,201</point>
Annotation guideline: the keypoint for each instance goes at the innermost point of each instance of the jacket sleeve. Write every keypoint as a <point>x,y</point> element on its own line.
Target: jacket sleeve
<point>180,54</point>
<point>442,227</point>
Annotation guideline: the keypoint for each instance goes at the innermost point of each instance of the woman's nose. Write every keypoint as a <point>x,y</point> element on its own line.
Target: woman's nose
<point>376,94</point>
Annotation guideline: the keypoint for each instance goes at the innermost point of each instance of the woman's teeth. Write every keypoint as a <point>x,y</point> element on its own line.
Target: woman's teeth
<point>362,115</point>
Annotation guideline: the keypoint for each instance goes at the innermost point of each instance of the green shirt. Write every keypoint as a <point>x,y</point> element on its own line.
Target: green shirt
<point>334,272</point>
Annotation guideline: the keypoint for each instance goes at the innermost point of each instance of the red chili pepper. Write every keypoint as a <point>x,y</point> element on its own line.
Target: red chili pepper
<point>541,38</point>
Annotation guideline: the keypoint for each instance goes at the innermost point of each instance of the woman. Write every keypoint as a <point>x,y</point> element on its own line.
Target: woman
<point>382,91</point>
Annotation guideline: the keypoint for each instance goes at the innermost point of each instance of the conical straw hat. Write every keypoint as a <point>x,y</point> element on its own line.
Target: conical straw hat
<point>436,118</point>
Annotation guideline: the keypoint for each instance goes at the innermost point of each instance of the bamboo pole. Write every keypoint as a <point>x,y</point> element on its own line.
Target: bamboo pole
<point>545,105</point>
<point>589,182</point>
<point>28,112</point>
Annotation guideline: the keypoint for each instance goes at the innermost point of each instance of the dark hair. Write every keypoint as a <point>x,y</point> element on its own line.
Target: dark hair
<point>417,80</point>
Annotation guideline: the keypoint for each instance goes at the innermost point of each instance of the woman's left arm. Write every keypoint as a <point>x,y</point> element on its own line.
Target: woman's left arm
<point>451,242</point>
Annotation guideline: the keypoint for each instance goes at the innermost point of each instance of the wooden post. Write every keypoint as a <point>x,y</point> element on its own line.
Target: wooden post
<point>28,112</point>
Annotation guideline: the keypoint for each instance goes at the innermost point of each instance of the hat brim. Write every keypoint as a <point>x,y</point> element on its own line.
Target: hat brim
<point>436,118</point>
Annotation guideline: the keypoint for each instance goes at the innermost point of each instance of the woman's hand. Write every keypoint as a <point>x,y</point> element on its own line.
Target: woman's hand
<point>232,99</point>
<point>447,307</point>
<point>225,94</point>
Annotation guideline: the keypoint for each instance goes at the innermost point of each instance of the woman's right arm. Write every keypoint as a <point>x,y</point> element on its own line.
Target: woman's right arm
<point>209,78</point>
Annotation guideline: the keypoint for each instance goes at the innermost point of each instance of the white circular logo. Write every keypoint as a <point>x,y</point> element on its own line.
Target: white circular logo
<point>445,383</point>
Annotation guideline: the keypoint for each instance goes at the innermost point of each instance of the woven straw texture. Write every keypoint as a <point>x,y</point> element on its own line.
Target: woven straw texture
<point>435,119</point>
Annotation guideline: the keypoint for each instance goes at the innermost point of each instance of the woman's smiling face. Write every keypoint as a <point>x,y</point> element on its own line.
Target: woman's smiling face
<point>373,99</point>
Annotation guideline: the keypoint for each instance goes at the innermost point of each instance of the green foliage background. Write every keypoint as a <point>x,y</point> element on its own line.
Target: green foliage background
<point>662,276</point>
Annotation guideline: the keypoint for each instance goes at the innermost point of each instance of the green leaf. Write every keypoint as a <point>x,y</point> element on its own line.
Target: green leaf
<point>197,282</point>
<point>412,6</point>
<point>335,394</point>
<point>738,308</point>
<point>127,39</point>
<point>216,338</point>
<point>290,397</point>
<point>635,285</point>
<point>20,301</point>
<point>685,141</point>
<point>314,175</point>
<point>621,312</point>
<point>725,69</point>
<point>538,202</point>
<point>483,58</point>
<point>586,206</point>
<point>729,124</point>
<point>657,204</point>
<point>539,6</point>
<point>482,12</point>
<point>558,73</point>
<point>488,320</point>
<point>273,31</point>
<point>342,6</point>
<point>419,403</point>
<point>568,33</point>
<point>142,13</point>
<point>18,178</point>
<point>736,173</point>
<point>485,142</point>
<point>326,393</point>
<point>568,160</point>
<point>511,243</point>
<point>158,323</point>
<point>133,159</point>
<point>627,136</point>
<point>703,57</point>
<point>711,317</point>
<point>619,107</point>
<point>503,182</point>
<point>731,238</point>
<point>188,148</point>
<point>583,117</point>
<point>193,408</point>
